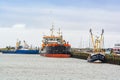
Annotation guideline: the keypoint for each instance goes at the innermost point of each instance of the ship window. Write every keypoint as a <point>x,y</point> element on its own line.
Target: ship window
<point>57,39</point>
<point>46,40</point>
<point>51,39</point>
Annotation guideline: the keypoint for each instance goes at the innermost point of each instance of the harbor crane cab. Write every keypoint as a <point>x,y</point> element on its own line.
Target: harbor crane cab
<point>98,52</point>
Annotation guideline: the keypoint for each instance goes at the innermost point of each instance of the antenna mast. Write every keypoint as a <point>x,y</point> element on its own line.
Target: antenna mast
<point>52,30</point>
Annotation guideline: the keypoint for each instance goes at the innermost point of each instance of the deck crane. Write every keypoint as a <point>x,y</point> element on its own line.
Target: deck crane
<point>98,53</point>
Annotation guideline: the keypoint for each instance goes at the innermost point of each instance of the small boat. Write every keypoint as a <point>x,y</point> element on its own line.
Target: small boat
<point>96,58</point>
<point>19,49</point>
<point>98,52</point>
<point>55,46</point>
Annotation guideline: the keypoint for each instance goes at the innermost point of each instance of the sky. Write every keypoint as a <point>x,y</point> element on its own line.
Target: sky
<point>31,19</point>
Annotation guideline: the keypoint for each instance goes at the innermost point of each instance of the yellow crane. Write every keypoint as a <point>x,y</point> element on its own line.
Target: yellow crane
<point>97,42</point>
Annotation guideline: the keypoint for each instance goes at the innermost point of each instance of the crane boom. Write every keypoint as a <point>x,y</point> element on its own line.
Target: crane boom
<point>98,42</point>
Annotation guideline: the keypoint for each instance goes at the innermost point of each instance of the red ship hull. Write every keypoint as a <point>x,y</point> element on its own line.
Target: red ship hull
<point>56,55</point>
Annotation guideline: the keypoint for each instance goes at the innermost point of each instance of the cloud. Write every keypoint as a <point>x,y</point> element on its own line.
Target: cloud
<point>19,26</point>
<point>75,21</point>
<point>9,36</point>
<point>68,17</point>
<point>34,36</point>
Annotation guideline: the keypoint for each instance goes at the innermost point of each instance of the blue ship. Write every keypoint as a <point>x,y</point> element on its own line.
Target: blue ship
<point>19,49</point>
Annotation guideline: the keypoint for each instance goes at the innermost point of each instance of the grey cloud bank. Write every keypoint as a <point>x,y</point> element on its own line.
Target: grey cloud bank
<point>75,21</point>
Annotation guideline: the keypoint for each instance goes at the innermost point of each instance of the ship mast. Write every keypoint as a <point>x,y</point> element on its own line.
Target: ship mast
<point>102,39</point>
<point>59,32</point>
<point>93,42</point>
<point>98,42</point>
<point>52,30</point>
<point>60,36</point>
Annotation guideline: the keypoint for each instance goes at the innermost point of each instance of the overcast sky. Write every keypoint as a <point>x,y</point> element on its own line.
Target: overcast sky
<point>30,19</point>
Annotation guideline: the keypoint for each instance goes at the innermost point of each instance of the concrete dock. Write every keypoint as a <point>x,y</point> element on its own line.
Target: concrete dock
<point>36,67</point>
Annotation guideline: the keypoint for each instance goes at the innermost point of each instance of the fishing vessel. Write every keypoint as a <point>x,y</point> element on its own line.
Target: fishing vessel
<point>21,49</point>
<point>55,46</point>
<point>98,52</point>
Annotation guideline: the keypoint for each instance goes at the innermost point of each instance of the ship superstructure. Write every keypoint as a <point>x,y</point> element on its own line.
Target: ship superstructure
<point>55,46</point>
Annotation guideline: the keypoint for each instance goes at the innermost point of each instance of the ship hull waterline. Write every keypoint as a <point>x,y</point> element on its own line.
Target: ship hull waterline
<point>96,58</point>
<point>21,52</point>
<point>56,51</point>
<point>56,55</point>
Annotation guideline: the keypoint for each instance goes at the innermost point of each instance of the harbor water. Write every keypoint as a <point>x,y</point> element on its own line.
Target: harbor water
<point>36,67</point>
